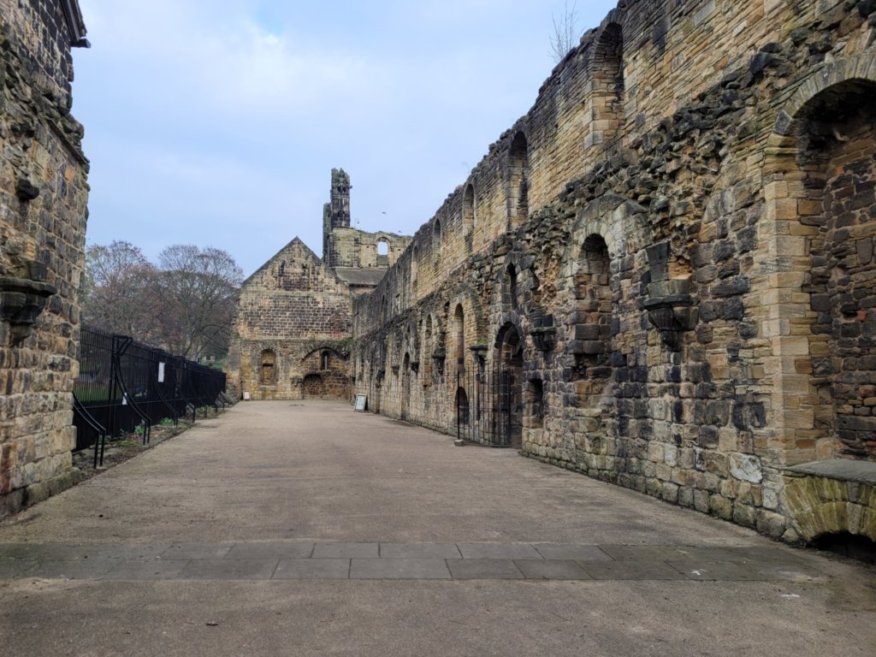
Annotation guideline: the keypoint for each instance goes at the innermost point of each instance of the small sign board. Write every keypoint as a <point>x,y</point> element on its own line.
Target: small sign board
<point>359,404</point>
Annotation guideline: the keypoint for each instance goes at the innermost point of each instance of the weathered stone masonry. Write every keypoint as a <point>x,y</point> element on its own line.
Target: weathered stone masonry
<point>292,330</point>
<point>665,270</point>
<point>43,198</point>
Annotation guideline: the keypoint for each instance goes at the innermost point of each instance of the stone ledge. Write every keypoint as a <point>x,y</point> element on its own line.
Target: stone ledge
<point>842,469</point>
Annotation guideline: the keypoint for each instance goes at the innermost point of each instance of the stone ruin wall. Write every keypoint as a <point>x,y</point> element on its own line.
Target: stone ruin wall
<point>43,199</point>
<point>291,312</point>
<point>705,167</point>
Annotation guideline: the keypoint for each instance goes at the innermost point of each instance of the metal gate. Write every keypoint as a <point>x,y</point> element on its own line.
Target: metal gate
<point>489,407</point>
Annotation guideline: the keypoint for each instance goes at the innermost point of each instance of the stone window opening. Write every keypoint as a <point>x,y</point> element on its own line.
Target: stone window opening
<point>267,368</point>
<point>512,299</point>
<point>592,339</point>
<point>535,407</point>
<point>468,211</point>
<point>325,360</point>
<point>459,336</point>
<point>463,412</point>
<point>518,183</point>
<point>415,261</point>
<point>436,244</point>
<point>607,73</point>
<point>428,348</point>
<point>382,253</point>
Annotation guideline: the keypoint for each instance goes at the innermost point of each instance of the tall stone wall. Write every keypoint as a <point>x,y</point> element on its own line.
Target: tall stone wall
<point>662,275</point>
<point>43,198</point>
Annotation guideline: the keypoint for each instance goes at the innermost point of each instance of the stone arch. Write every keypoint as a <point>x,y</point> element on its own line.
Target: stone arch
<point>324,348</point>
<point>474,312</point>
<point>607,83</point>
<point>508,383</point>
<point>622,223</point>
<point>518,180</point>
<point>816,267</point>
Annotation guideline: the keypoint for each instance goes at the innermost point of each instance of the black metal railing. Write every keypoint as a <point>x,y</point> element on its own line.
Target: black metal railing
<point>489,407</point>
<point>127,387</point>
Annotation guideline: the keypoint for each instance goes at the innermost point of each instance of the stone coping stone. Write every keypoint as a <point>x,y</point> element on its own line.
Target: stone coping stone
<point>843,469</point>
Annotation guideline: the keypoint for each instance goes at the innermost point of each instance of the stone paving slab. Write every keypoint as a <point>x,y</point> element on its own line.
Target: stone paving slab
<point>420,551</point>
<point>219,569</point>
<point>312,569</point>
<point>498,551</point>
<point>484,569</point>
<point>551,569</point>
<point>630,570</point>
<point>270,550</point>
<point>346,551</point>
<point>196,551</point>
<point>399,569</point>
<point>570,551</point>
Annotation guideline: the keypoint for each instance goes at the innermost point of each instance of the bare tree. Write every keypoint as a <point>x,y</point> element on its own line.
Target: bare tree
<point>118,290</point>
<point>184,305</point>
<point>565,35</point>
<point>198,289</point>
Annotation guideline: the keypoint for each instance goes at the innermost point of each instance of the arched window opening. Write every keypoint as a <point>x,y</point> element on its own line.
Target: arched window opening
<point>511,288</point>
<point>267,368</point>
<point>415,263</point>
<point>468,210</point>
<point>837,153</point>
<point>518,183</point>
<point>459,335</point>
<point>324,360</point>
<point>462,407</point>
<point>594,303</point>
<point>383,253</point>
<point>607,73</point>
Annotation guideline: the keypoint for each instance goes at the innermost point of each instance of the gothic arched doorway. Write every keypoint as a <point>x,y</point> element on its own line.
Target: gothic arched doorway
<point>509,387</point>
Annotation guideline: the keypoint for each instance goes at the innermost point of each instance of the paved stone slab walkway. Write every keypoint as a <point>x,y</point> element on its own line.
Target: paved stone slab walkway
<point>285,560</point>
<point>307,529</point>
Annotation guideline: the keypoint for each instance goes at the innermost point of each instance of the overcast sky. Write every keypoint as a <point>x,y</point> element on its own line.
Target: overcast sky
<point>217,122</point>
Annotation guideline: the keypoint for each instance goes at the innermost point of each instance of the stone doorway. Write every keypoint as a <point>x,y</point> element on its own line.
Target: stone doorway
<point>508,383</point>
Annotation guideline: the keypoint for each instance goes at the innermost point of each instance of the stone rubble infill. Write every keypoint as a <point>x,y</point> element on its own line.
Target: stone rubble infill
<point>403,561</point>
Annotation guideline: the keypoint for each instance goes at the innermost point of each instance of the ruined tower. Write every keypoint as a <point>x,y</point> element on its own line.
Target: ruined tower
<point>336,214</point>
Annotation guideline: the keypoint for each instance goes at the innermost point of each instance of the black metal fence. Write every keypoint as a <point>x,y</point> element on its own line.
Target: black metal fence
<point>125,386</point>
